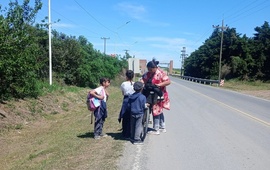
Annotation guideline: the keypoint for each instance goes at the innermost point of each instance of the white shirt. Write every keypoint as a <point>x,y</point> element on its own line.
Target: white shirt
<point>101,91</point>
<point>127,88</point>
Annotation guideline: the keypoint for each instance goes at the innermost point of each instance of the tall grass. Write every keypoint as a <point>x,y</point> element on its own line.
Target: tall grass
<point>246,85</point>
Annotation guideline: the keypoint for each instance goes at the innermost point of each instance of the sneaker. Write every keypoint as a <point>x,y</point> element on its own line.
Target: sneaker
<point>139,142</point>
<point>103,135</point>
<point>163,130</point>
<point>154,132</point>
<point>97,137</point>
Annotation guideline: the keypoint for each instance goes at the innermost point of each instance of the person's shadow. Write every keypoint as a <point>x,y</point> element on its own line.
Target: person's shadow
<point>86,135</point>
<point>115,136</point>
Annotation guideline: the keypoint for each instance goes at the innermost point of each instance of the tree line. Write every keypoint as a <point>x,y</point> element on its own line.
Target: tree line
<point>24,61</point>
<point>243,58</point>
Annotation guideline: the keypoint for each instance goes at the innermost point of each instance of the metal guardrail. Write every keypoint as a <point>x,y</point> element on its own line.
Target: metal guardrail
<point>198,80</point>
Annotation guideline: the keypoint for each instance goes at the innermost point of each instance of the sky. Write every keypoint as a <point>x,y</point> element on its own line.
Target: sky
<point>149,29</point>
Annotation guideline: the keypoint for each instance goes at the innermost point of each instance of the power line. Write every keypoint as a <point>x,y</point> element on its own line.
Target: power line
<point>94,17</point>
<point>236,16</point>
<point>66,28</point>
<point>252,12</point>
<point>73,21</point>
<point>238,11</point>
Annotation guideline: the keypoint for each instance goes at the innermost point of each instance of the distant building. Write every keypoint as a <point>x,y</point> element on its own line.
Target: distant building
<point>113,55</point>
<point>143,66</point>
<point>139,65</point>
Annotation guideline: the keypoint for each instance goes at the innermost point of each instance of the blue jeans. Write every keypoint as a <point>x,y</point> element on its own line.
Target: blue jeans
<point>159,122</point>
<point>98,127</point>
<point>136,127</point>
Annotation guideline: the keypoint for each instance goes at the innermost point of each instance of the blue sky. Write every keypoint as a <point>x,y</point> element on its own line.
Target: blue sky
<point>153,28</point>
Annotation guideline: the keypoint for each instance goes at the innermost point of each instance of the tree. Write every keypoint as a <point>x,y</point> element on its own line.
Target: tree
<point>261,51</point>
<point>18,51</point>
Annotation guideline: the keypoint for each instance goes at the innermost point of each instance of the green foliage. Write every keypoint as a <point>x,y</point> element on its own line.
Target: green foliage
<point>95,65</point>
<point>18,51</point>
<point>242,57</point>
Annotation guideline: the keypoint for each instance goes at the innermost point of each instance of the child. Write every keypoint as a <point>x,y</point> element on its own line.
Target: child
<point>101,112</point>
<point>136,105</point>
<point>127,90</point>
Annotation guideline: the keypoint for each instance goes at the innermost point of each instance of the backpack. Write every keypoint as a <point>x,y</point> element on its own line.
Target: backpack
<point>92,102</point>
<point>151,91</point>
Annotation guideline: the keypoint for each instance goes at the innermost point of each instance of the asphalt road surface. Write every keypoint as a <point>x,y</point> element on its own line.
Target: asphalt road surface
<point>208,128</point>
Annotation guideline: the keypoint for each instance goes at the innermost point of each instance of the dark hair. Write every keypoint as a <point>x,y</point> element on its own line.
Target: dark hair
<point>103,79</point>
<point>152,64</point>
<point>130,74</point>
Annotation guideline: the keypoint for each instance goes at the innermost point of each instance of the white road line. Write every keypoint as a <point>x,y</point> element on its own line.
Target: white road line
<point>136,164</point>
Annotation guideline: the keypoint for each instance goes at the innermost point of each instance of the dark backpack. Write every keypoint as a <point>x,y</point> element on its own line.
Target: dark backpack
<point>151,91</point>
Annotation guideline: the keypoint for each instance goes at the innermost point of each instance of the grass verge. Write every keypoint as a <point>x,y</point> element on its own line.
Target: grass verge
<point>246,85</point>
<point>55,133</point>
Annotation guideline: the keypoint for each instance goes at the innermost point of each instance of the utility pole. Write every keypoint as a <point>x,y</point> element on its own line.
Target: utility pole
<point>183,56</point>
<point>50,46</point>
<point>105,43</point>
<point>223,28</point>
<point>126,51</point>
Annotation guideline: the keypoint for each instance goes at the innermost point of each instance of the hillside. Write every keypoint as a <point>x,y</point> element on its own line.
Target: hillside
<point>54,132</point>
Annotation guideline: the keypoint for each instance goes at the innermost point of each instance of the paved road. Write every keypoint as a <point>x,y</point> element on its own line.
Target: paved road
<point>208,128</point>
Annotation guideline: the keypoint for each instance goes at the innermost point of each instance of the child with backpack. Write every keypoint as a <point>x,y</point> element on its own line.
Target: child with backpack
<point>136,105</point>
<point>101,112</point>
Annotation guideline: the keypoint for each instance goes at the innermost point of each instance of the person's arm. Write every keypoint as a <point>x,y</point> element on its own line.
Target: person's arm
<point>142,78</point>
<point>165,83</point>
<point>96,95</point>
<point>122,88</point>
<point>107,94</point>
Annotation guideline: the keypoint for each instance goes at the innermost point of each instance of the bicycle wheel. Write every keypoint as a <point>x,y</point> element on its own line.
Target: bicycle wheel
<point>145,122</point>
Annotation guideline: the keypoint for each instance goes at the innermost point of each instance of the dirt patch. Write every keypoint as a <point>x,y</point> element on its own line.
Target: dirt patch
<point>265,94</point>
<point>19,113</point>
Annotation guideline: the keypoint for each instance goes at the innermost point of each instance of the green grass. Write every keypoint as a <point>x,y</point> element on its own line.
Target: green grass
<point>246,85</point>
<point>61,137</point>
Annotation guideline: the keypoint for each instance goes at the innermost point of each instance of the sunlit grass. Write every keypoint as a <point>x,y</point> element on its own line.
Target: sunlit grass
<point>246,85</point>
<point>62,138</point>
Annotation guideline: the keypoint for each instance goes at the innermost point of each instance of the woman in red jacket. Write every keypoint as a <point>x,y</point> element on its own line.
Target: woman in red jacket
<point>159,80</point>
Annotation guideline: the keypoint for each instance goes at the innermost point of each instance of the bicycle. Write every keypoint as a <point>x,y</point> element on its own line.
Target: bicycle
<point>148,110</point>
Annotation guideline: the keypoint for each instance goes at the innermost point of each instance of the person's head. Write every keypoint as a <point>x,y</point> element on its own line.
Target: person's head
<point>129,75</point>
<point>104,81</point>
<point>138,86</point>
<point>152,66</point>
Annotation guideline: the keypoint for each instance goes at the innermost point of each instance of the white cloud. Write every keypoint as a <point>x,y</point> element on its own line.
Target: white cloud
<point>62,25</point>
<point>134,11</point>
<point>139,13</point>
